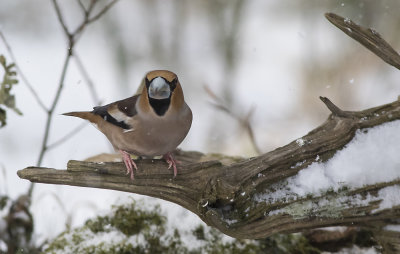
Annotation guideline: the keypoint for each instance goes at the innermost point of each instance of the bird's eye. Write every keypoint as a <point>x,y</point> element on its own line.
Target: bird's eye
<point>147,82</point>
<point>173,84</point>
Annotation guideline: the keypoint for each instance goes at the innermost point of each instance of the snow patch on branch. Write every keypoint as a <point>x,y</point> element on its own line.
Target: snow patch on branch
<point>395,228</point>
<point>371,157</point>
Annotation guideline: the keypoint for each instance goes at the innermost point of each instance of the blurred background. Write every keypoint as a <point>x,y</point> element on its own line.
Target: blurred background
<point>271,58</point>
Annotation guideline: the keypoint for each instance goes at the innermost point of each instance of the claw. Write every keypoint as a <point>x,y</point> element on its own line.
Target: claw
<point>171,162</point>
<point>129,163</point>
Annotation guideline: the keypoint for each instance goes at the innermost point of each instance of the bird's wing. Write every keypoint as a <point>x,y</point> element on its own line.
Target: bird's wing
<point>118,113</point>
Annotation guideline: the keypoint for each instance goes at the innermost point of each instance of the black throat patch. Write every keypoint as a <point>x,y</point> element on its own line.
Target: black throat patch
<point>160,106</point>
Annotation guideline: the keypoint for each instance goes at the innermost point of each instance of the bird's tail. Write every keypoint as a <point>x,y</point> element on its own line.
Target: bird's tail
<point>87,115</point>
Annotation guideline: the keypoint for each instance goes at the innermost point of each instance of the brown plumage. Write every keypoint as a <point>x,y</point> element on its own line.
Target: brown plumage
<point>152,123</point>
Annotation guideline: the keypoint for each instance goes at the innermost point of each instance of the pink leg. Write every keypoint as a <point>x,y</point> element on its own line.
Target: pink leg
<point>129,163</point>
<point>171,162</point>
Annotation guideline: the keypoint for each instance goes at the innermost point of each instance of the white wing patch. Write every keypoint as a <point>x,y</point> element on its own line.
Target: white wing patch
<point>119,116</point>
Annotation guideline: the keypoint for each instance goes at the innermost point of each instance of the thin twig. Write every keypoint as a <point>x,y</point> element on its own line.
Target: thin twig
<point>91,6</point>
<point>67,136</point>
<point>71,43</point>
<point>50,114</point>
<point>89,82</point>
<point>61,19</point>
<point>82,6</point>
<point>89,20</point>
<point>21,74</point>
<point>95,98</point>
<point>244,121</point>
<point>4,173</point>
<point>98,15</point>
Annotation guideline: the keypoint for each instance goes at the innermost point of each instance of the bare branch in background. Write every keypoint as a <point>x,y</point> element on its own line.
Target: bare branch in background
<point>42,195</point>
<point>87,19</point>
<point>4,173</point>
<point>244,121</point>
<point>21,74</point>
<point>71,43</point>
<point>67,136</point>
<point>68,214</point>
<point>95,98</point>
<point>83,8</point>
<point>104,10</point>
<point>89,82</point>
<point>61,19</point>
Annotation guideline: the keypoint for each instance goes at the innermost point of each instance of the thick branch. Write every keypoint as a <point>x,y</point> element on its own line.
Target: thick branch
<point>223,194</point>
<point>368,37</point>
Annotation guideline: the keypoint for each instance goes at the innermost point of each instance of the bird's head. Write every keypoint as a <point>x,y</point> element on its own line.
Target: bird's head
<point>162,92</point>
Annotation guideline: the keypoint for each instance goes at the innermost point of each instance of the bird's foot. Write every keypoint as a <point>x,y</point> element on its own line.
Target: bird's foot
<point>129,163</point>
<point>169,158</point>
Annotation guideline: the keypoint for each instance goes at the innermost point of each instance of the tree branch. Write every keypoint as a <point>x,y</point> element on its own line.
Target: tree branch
<point>223,195</point>
<point>368,37</point>
<point>223,190</point>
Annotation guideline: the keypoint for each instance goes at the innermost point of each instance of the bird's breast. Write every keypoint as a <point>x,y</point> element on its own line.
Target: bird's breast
<point>152,136</point>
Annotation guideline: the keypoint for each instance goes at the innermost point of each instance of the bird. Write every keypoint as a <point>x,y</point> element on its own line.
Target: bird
<point>151,123</point>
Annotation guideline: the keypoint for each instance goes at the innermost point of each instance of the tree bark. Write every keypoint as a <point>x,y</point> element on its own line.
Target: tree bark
<point>223,194</point>
<point>222,190</point>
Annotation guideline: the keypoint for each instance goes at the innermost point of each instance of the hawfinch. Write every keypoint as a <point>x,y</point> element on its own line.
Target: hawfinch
<point>149,124</point>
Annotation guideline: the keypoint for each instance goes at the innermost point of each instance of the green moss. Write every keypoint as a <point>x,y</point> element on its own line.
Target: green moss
<point>365,238</point>
<point>98,224</point>
<point>287,243</point>
<point>198,232</point>
<point>131,221</point>
<point>139,231</point>
<point>6,98</point>
<point>59,243</point>
<point>3,202</point>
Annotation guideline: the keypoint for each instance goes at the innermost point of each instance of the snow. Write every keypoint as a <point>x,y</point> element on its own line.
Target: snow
<point>355,250</point>
<point>361,162</point>
<point>112,237</point>
<point>3,246</point>
<point>332,207</point>
<point>22,215</point>
<point>104,239</point>
<point>300,142</point>
<point>336,228</point>
<point>390,197</point>
<point>230,222</point>
<point>298,164</point>
<point>395,228</point>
